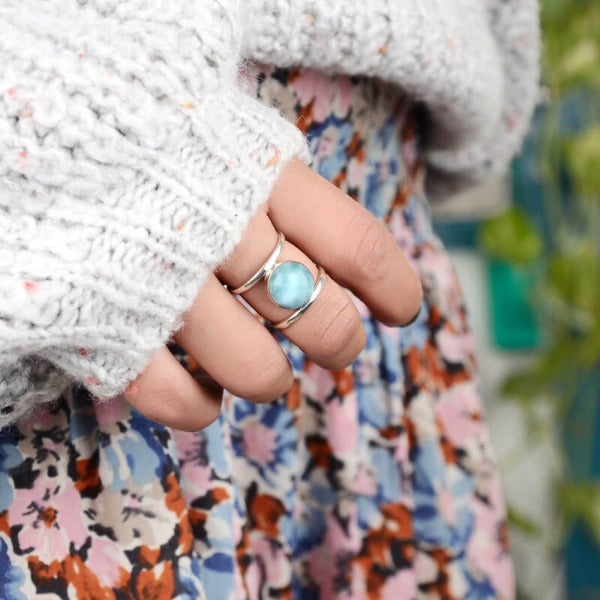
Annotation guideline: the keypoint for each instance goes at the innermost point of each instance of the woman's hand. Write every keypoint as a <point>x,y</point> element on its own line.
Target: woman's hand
<point>321,225</point>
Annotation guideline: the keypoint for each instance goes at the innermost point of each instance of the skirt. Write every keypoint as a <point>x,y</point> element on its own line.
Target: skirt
<point>374,482</point>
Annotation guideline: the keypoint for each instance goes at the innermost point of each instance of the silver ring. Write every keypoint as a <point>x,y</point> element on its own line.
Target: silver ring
<point>321,279</point>
<point>264,271</point>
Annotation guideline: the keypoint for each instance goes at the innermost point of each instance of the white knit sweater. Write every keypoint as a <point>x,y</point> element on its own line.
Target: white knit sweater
<point>131,162</point>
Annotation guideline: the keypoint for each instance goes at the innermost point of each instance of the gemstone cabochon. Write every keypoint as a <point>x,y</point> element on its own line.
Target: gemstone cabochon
<point>291,285</point>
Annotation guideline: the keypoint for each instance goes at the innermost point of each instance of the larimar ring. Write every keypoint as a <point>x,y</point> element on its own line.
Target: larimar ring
<point>300,310</point>
<point>290,284</point>
<point>264,270</point>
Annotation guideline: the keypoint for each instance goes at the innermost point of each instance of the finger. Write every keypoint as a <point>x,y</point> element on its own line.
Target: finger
<point>166,393</point>
<point>233,347</point>
<point>330,333</point>
<point>353,246</point>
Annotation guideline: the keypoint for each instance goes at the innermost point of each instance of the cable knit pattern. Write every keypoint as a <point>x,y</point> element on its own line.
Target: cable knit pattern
<point>131,162</point>
<point>473,63</point>
<point>130,165</point>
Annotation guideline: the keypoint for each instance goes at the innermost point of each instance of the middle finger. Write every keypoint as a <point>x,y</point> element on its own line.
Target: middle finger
<point>348,241</point>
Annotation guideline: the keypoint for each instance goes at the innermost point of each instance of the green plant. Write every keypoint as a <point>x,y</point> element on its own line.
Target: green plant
<point>567,257</point>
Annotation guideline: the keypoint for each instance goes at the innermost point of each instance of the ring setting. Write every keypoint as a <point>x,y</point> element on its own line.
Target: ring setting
<point>290,284</point>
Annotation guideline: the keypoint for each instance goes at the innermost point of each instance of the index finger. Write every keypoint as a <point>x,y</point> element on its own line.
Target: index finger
<point>353,246</point>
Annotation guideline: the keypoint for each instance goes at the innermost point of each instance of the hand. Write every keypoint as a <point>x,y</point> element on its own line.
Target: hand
<point>321,225</point>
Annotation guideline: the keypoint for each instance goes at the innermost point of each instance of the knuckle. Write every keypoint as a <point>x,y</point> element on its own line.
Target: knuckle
<point>371,253</point>
<point>180,405</point>
<point>209,414</point>
<point>339,330</point>
<point>265,373</point>
<point>156,399</point>
<point>194,409</point>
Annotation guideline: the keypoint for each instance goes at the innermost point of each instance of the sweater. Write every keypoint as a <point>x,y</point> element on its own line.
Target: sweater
<point>474,64</point>
<point>131,160</point>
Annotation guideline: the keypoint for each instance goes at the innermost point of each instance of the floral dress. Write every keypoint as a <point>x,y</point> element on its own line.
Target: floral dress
<point>373,482</point>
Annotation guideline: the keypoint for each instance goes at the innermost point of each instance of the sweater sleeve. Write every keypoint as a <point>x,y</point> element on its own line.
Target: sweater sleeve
<point>130,166</point>
<point>473,64</point>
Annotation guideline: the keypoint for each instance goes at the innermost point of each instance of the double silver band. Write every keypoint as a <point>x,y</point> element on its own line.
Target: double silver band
<point>265,271</point>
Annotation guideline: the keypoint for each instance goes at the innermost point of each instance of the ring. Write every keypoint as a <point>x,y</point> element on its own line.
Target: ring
<point>264,270</point>
<point>321,278</point>
<point>290,284</point>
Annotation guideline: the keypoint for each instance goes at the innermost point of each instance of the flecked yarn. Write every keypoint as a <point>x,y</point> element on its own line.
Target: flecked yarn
<point>473,63</point>
<point>130,165</point>
<point>131,161</point>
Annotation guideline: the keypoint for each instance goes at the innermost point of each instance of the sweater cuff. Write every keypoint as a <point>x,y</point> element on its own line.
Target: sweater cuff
<point>474,65</point>
<point>100,267</point>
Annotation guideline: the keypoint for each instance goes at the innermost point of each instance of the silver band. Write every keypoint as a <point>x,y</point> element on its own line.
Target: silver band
<point>264,271</point>
<point>321,278</point>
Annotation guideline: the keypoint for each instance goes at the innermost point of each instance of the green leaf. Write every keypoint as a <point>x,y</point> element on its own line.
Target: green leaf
<point>583,159</point>
<point>574,274</point>
<point>524,524</point>
<point>571,43</point>
<point>526,385</point>
<point>581,500</point>
<point>511,237</point>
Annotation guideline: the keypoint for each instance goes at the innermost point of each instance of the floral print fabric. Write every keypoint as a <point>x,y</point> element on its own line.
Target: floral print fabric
<point>375,482</point>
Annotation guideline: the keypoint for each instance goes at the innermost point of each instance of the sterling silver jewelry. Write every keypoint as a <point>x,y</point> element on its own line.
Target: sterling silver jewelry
<point>264,271</point>
<point>321,278</point>
<point>290,284</point>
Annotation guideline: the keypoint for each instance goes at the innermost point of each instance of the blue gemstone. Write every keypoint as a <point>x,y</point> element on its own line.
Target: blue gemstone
<point>291,285</point>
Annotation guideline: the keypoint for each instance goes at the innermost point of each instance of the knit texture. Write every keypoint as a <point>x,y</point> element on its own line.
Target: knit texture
<point>473,63</point>
<point>130,166</point>
<point>131,162</point>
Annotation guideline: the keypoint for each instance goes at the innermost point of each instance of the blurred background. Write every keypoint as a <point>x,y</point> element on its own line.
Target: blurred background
<point>527,250</point>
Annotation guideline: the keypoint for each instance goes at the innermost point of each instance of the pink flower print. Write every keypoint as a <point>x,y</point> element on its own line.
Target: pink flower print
<point>50,519</point>
<point>325,93</point>
<point>105,558</point>
<point>485,548</point>
<point>260,443</point>
<point>400,585</point>
<point>404,236</point>
<point>143,512</point>
<point>367,369</point>
<point>327,143</point>
<point>410,153</point>
<point>337,542</point>
<point>342,424</point>
<point>269,569</point>
<point>110,411</point>
<point>364,483</point>
<point>455,347</point>
<point>345,95</point>
<point>40,418</point>
<point>273,560</point>
<point>196,472</point>
<point>402,449</point>
<point>459,411</point>
<point>424,567</point>
<point>446,506</point>
<point>439,278</point>
<point>357,171</point>
<point>318,383</point>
